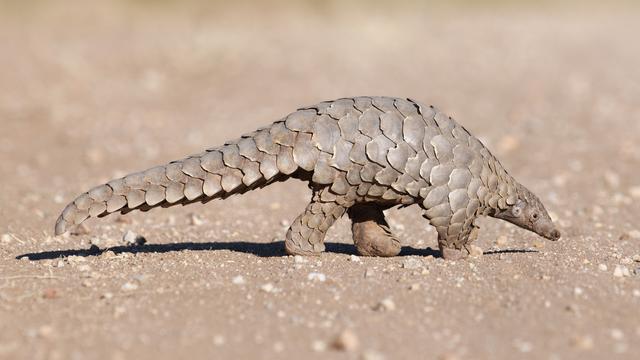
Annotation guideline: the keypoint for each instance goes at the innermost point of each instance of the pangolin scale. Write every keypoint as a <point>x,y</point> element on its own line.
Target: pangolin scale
<point>360,156</point>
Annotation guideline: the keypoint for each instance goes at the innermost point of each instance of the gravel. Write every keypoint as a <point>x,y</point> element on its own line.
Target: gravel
<point>129,286</point>
<point>238,280</point>
<point>412,263</point>
<point>372,355</point>
<point>621,271</point>
<point>268,288</point>
<point>195,220</point>
<point>386,304</point>
<point>347,340</point>
<point>316,276</point>
<point>602,267</point>
<point>319,346</point>
<point>130,238</point>
<point>634,234</point>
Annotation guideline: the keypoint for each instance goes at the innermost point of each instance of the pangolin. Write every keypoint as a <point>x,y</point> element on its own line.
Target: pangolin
<point>360,156</point>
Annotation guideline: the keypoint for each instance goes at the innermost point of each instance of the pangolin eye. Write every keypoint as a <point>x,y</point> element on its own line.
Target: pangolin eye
<point>535,216</point>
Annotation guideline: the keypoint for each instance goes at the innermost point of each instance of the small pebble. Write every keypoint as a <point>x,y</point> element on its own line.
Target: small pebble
<point>268,287</point>
<point>109,254</point>
<point>118,311</point>
<point>195,220</point>
<point>318,346</point>
<point>636,258</point>
<point>278,346</point>
<point>316,276</point>
<point>84,268</point>
<point>372,355</point>
<point>634,191</point>
<point>448,356</point>
<point>617,334</point>
<point>298,259</point>
<point>238,280</point>
<point>597,211</point>
<point>45,331</point>
<point>354,258</point>
<point>621,271</point>
<point>578,291</point>
<point>626,261</point>
<point>602,267</point>
<point>523,346</point>
<point>634,234</point>
<point>106,296</point>
<point>73,259</point>
<point>612,179</point>
<point>582,342</point>
<point>385,305</point>
<point>508,143</point>
<point>140,277</point>
<point>411,263</point>
<point>6,238</point>
<point>219,340</point>
<point>347,340</point>
<point>502,240</point>
<point>50,294</point>
<point>129,286</point>
<point>132,239</point>
<point>58,198</point>
<point>414,287</point>
<point>369,272</point>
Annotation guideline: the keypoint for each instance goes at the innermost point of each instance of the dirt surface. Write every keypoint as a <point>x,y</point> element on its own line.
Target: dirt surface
<point>88,94</point>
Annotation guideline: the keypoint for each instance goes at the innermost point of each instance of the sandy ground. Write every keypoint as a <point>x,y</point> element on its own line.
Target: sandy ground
<point>88,94</point>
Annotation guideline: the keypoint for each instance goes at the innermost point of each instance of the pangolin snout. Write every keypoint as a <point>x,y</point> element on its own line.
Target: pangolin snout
<point>554,235</point>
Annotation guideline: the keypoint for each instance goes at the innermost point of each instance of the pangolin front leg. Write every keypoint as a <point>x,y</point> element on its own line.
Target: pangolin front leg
<point>371,233</point>
<point>457,247</point>
<point>455,238</point>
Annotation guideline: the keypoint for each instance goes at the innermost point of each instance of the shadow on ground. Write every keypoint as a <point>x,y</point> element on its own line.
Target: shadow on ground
<point>259,249</point>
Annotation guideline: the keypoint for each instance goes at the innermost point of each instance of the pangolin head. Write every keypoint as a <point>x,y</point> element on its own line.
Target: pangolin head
<point>529,213</point>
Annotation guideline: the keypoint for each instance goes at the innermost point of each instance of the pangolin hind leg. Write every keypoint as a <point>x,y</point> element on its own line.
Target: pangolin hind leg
<point>371,233</point>
<point>307,232</point>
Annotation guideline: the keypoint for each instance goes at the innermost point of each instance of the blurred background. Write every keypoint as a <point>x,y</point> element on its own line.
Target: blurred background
<point>183,75</point>
<point>91,90</point>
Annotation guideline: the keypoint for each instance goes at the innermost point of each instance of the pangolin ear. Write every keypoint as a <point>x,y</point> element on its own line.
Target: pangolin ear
<point>516,210</point>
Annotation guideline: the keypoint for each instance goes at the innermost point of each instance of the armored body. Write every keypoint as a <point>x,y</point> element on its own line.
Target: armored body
<point>360,156</point>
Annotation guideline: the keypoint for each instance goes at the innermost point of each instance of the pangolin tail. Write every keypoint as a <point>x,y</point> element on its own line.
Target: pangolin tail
<point>252,161</point>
